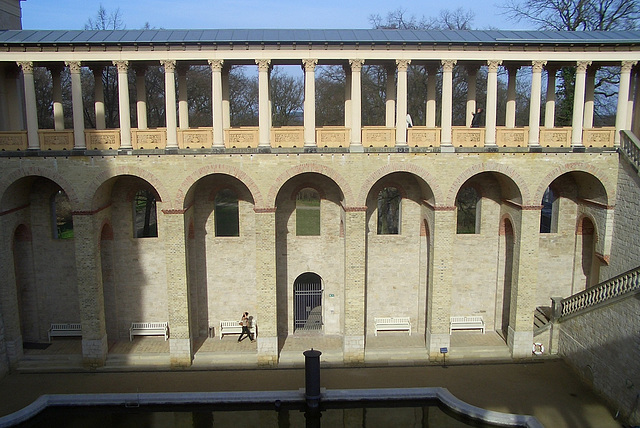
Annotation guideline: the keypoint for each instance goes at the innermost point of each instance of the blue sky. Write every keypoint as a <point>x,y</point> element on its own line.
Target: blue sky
<point>176,14</point>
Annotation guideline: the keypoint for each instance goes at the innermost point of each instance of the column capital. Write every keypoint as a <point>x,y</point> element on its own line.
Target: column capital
<point>123,66</point>
<point>169,65</point>
<point>582,66</point>
<point>263,64</point>
<point>26,66</point>
<point>356,64</point>
<point>537,66</point>
<point>626,66</point>
<point>309,64</point>
<point>216,64</point>
<point>493,65</point>
<point>403,64</point>
<point>74,66</point>
<point>447,64</point>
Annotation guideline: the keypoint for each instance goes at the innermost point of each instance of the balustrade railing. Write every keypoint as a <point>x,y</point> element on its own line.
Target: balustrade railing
<point>614,287</point>
<point>630,148</point>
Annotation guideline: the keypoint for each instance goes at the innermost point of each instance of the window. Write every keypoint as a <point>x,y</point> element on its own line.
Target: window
<point>468,211</point>
<point>549,213</point>
<point>308,212</point>
<point>227,217</point>
<point>144,219</point>
<point>389,211</point>
<point>61,216</point>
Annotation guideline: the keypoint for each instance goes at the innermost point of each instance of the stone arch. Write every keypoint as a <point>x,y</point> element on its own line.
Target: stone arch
<point>152,179</point>
<point>67,187</point>
<point>609,188</point>
<point>504,170</point>
<point>503,231</point>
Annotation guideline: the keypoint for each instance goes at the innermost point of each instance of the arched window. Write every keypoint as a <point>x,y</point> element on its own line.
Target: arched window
<point>61,216</point>
<point>468,211</point>
<point>227,217</point>
<point>549,213</point>
<point>144,215</point>
<point>389,211</point>
<point>308,212</point>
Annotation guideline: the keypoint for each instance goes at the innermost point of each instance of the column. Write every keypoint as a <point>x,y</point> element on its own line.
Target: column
<point>356,104</point>
<point>534,103</point>
<point>589,97</point>
<point>510,119</point>
<point>30,105</point>
<point>355,285</point>
<point>472,80</point>
<point>309,66</point>
<point>623,99</point>
<point>226,107</point>
<point>123,105</point>
<point>183,103</point>
<point>390,103</point>
<point>141,96</point>
<point>90,290</point>
<point>75,68</point>
<point>170,103</point>
<point>263,102</point>
<point>98,95</point>
<point>635,122</point>
<point>4,105</point>
<point>632,90</point>
<point>216,102</point>
<point>347,96</point>
<point>14,117</point>
<point>578,103</point>
<point>173,231</point>
<point>550,104</point>
<point>401,121</point>
<point>10,320</point>
<point>492,103</point>
<point>266,294</point>
<point>431,96</point>
<point>447,104</point>
<point>58,112</point>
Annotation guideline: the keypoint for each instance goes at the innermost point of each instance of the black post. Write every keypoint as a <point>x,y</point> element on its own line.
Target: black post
<point>312,378</point>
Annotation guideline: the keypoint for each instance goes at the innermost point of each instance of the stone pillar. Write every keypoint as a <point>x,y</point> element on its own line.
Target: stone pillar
<point>56,94</point>
<point>510,119</point>
<point>266,294</point>
<point>141,96</point>
<point>589,97</point>
<point>578,103</point>
<point>30,105</point>
<point>183,97</point>
<point>226,106</point>
<point>401,121</point>
<point>173,234</point>
<point>78,109</point>
<point>355,285</point>
<point>13,87</point>
<point>347,96</point>
<point>447,105</point>
<point>356,104</point>
<point>550,104</point>
<point>216,102</point>
<point>264,110</point>
<point>439,297</point>
<point>534,103</point>
<point>635,123</point>
<point>390,103</point>
<point>123,105</point>
<point>472,81</point>
<point>98,95</point>
<point>9,291</point>
<point>623,99</point>
<point>90,290</point>
<point>431,97</point>
<point>309,66</point>
<point>632,90</point>
<point>492,103</point>
<point>170,103</point>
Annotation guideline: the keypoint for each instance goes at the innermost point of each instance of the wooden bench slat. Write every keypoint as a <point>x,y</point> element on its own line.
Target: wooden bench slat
<point>234,327</point>
<point>65,330</point>
<point>466,323</point>
<point>149,329</point>
<point>392,324</point>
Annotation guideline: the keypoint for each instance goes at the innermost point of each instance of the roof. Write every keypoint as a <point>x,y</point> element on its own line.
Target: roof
<point>290,36</point>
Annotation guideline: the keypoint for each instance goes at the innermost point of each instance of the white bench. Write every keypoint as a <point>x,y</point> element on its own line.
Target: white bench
<point>466,323</point>
<point>392,324</point>
<point>234,327</point>
<point>149,329</point>
<point>65,330</point>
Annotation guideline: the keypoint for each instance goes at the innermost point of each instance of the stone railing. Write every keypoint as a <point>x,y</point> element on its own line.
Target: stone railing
<point>598,137</point>
<point>512,137</point>
<point>13,141</point>
<point>603,292</point>
<point>555,137</point>
<point>630,148</point>
<point>287,136</point>
<point>421,136</point>
<point>461,136</point>
<point>242,137</point>
<point>102,139</point>
<point>378,136</point>
<point>333,136</point>
<point>56,140</point>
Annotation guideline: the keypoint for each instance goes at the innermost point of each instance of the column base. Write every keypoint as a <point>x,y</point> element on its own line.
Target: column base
<point>520,343</point>
<point>94,352</point>
<point>436,341</point>
<point>353,350</point>
<point>180,353</point>
<point>267,351</point>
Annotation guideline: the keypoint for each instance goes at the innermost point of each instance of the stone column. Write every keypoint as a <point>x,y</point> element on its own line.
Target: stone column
<point>632,90</point>
<point>355,285</point>
<point>266,294</point>
<point>98,95</point>
<point>226,107</point>
<point>356,104</point>
<point>141,96</point>
<point>347,96</point>
<point>589,97</point>
<point>183,97</point>
<point>401,121</point>
<point>431,97</point>
<point>447,104</point>
<point>510,119</point>
<point>56,94</point>
<point>78,109</point>
<point>390,103</point>
<point>13,87</point>
<point>635,121</point>
<point>216,102</point>
<point>534,103</point>
<point>623,99</point>
<point>578,104</point>
<point>550,104</point>
<point>30,105</point>
<point>170,103</point>
<point>123,105</point>
<point>309,66</point>
<point>264,109</point>
<point>492,103</point>
<point>90,290</point>
<point>472,81</point>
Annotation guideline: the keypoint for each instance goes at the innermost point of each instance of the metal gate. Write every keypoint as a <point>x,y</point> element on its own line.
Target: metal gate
<point>307,302</point>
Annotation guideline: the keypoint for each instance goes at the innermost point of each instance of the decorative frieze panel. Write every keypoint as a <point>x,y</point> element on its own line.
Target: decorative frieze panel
<point>102,139</point>
<point>332,136</point>
<point>420,136</point>
<point>56,140</point>
<point>598,137</point>
<point>195,138</point>
<point>149,139</point>
<point>467,137</point>
<point>555,137</point>
<point>512,137</point>
<point>378,136</point>
<point>289,136</point>
<point>241,138</point>
<point>12,141</point>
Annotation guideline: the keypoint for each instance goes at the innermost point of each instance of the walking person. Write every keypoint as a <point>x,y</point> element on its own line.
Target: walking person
<point>245,322</point>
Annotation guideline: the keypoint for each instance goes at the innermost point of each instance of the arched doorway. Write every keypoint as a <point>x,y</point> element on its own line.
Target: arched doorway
<point>587,269</point>
<point>307,302</point>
